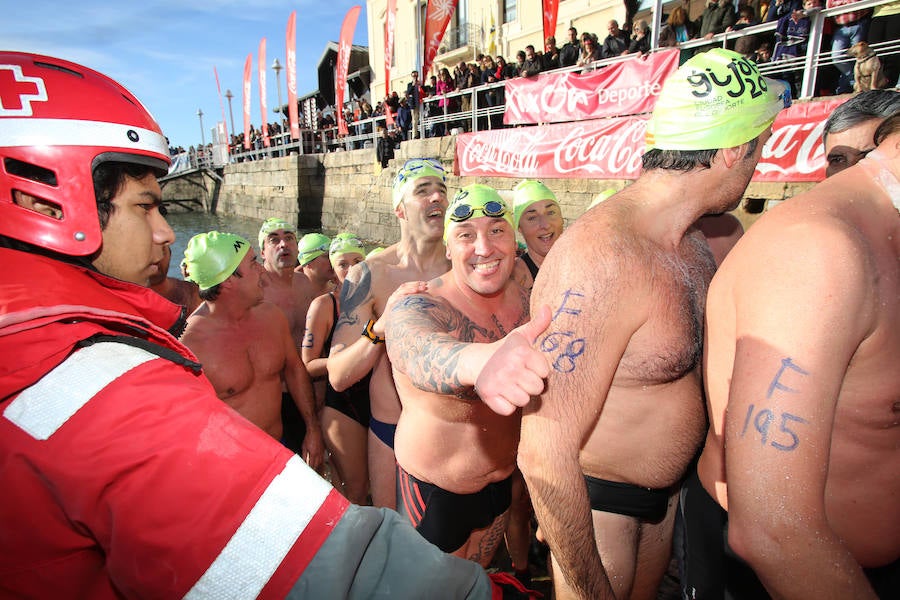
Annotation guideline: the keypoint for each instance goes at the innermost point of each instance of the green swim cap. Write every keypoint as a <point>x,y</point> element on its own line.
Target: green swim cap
<point>373,252</point>
<point>346,243</point>
<point>478,198</point>
<point>412,170</point>
<point>717,99</point>
<point>311,247</point>
<point>273,224</point>
<point>526,193</point>
<point>211,258</point>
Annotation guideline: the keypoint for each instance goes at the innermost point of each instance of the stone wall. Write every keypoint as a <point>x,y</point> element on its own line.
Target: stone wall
<point>349,191</point>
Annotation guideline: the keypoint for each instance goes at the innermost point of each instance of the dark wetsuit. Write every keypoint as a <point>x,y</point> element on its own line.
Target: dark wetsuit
<point>354,401</point>
<point>711,569</point>
<point>532,268</point>
<point>446,519</point>
<point>646,504</point>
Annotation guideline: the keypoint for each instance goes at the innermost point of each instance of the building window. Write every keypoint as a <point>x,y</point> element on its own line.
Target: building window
<point>509,11</point>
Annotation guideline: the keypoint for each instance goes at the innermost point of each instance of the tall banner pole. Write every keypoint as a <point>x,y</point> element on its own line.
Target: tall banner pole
<point>551,9</point>
<point>261,67</point>
<point>247,68</point>
<point>222,106</point>
<point>343,63</point>
<point>291,76</point>
<point>389,25</point>
<point>437,17</point>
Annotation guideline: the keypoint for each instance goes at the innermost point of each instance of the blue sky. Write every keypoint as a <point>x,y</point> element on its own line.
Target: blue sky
<point>165,51</point>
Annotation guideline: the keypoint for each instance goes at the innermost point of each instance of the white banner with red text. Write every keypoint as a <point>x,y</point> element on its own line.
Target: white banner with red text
<point>612,148</point>
<point>629,87</point>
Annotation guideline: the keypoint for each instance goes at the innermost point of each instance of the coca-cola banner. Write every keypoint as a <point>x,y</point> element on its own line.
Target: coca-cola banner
<point>795,151</point>
<point>625,88</point>
<point>612,148</point>
<point>596,149</point>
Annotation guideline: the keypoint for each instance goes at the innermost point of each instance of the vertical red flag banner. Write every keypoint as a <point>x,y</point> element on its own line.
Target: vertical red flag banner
<point>261,67</point>
<point>437,16</point>
<point>291,76</point>
<point>389,26</point>
<point>343,63</point>
<point>222,106</point>
<point>248,66</point>
<point>551,9</point>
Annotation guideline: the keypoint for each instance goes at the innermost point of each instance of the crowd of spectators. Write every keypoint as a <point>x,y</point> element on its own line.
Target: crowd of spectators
<point>791,35</point>
<point>435,96</point>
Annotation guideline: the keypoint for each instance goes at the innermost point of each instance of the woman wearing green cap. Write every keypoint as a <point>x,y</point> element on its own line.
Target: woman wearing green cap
<point>539,219</point>
<point>345,417</point>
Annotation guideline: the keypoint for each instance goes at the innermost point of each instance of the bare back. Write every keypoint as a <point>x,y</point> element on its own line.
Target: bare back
<point>804,335</point>
<point>243,360</point>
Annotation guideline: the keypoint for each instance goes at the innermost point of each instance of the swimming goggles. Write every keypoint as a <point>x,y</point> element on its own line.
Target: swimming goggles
<point>463,212</point>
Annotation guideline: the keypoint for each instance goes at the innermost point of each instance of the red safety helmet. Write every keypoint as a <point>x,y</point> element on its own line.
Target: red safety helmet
<point>58,122</point>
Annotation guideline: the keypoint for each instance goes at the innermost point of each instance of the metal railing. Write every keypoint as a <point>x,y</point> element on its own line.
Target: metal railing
<point>481,108</point>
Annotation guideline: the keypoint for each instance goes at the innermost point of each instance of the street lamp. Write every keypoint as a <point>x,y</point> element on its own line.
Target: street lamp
<point>229,95</point>
<point>202,135</point>
<point>276,66</point>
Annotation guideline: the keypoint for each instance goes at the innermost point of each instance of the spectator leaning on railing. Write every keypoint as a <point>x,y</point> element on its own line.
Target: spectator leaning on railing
<point>571,50</point>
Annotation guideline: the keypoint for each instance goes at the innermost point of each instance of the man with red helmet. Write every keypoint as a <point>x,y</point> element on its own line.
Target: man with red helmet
<point>124,475</point>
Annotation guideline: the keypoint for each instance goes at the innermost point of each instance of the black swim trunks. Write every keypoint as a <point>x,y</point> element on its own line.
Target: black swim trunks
<point>353,402</point>
<point>711,569</point>
<point>293,425</point>
<point>446,519</point>
<point>383,431</point>
<point>626,499</point>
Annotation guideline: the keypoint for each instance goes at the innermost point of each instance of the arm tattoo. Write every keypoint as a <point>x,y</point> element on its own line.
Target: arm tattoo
<point>353,295</point>
<point>425,339</point>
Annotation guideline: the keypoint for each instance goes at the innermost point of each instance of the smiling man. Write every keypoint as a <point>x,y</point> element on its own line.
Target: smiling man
<point>456,444</point>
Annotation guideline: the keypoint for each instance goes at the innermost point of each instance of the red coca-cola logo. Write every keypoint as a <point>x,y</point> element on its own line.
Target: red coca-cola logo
<point>611,152</point>
<point>794,148</point>
<point>508,152</point>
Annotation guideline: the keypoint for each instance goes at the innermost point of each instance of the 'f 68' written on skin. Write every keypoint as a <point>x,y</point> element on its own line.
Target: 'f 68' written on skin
<point>563,346</point>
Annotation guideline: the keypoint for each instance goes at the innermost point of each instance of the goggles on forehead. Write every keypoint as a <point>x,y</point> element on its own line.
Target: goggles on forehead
<point>415,166</point>
<point>491,208</point>
<point>346,241</point>
<point>320,248</point>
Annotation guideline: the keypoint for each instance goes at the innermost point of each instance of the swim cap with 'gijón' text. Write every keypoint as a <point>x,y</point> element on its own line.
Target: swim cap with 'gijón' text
<point>717,99</point>
<point>211,258</point>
